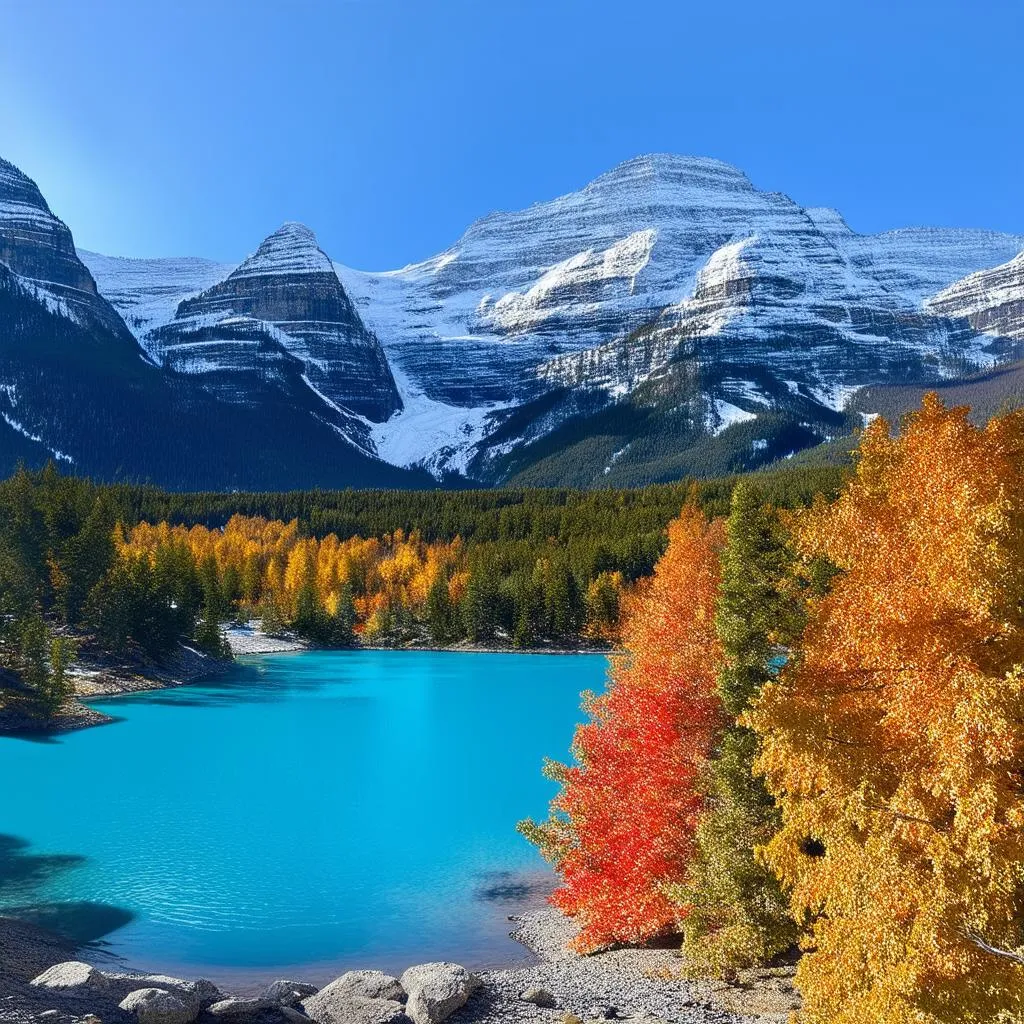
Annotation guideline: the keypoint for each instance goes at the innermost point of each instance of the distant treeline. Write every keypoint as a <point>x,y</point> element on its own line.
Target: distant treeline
<point>522,567</point>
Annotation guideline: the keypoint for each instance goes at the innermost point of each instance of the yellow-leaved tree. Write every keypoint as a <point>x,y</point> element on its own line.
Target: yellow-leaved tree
<point>893,741</point>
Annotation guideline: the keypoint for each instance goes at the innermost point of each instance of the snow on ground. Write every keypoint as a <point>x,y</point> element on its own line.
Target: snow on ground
<point>25,432</point>
<point>250,639</point>
<point>146,292</point>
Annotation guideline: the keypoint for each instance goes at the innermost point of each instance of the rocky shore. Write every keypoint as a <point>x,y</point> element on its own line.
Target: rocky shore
<point>40,980</point>
<point>101,676</point>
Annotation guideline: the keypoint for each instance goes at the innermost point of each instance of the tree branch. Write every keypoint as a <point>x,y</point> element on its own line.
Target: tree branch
<point>985,947</point>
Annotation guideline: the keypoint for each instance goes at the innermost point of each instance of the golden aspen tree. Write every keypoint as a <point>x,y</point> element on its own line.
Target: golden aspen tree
<point>893,740</point>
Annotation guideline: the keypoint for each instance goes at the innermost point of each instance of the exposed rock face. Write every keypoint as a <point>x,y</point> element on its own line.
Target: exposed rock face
<point>147,292</point>
<point>283,305</point>
<point>991,300</point>
<point>38,248</point>
<point>664,304</point>
<point>521,289</point>
<point>76,386</point>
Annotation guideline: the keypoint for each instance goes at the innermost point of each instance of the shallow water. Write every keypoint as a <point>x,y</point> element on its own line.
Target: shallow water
<point>314,810</point>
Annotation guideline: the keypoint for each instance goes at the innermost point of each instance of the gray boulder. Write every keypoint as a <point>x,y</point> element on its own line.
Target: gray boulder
<point>71,975</point>
<point>365,984</point>
<point>240,1009</point>
<point>345,1008</point>
<point>344,1001</point>
<point>202,991</point>
<point>539,997</point>
<point>159,1006</point>
<point>436,991</point>
<point>287,993</point>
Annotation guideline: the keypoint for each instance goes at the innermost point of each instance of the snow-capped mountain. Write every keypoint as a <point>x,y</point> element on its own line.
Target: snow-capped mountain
<point>37,248</point>
<point>76,386</point>
<point>991,300</point>
<point>667,318</point>
<point>667,258</point>
<point>519,289</point>
<point>283,305</point>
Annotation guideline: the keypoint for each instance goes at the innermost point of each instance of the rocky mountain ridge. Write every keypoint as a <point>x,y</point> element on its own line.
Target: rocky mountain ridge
<point>281,305</point>
<point>667,318</point>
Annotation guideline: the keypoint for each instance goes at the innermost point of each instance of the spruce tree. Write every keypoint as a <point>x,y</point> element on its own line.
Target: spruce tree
<point>738,916</point>
<point>344,621</point>
<point>439,612</point>
<point>208,633</point>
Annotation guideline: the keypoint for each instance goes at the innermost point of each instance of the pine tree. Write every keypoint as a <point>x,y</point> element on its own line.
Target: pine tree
<point>480,604</point>
<point>344,621</point>
<point>439,611</point>
<point>738,916</point>
<point>208,635</point>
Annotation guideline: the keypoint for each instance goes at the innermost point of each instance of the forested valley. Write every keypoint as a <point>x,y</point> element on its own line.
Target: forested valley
<point>132,572</point>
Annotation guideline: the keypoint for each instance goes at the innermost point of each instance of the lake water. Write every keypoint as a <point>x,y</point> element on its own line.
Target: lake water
<point>314,810</point>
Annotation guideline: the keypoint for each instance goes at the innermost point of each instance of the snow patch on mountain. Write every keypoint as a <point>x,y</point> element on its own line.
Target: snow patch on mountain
<point>833,395</point>
<point>25,432</point>
<point>292,249</point>
<point>428,433</point>
<point>147,292</point>
<point>588,277</point>
<point>991,300</point>
<point>726,415</point>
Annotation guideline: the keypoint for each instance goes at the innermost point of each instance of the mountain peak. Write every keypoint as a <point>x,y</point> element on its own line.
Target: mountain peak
<point>291,249</point>
<point>38,246</point>
<point>16,187</point>
<point>673,169</point>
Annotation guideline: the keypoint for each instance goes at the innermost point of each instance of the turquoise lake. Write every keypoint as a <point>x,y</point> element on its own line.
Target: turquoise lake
<point>315,810</point>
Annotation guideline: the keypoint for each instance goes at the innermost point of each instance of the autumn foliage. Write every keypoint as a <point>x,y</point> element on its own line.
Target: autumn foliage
<point>382,587</point>
<point>894,738</point>
<point>622,826</point>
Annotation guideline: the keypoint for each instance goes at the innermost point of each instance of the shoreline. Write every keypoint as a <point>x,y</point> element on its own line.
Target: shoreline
<point>630,983</point>
<point>96,677</point>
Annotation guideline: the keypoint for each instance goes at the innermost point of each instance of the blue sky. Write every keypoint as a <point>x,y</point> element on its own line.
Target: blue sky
<point>158,128</point>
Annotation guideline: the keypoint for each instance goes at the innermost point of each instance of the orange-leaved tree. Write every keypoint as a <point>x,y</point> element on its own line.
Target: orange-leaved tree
<point>893,740</point>
<point>622,825</point>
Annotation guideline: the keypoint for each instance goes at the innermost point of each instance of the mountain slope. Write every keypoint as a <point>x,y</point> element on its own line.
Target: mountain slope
<point>991,300</point>
<point>147,292</point>
<point>519,289</point>
<point>668,318</point>
<point>570,306</point>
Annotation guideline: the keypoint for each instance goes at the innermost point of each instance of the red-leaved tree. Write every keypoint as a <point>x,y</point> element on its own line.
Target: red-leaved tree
<point>622,826</point>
